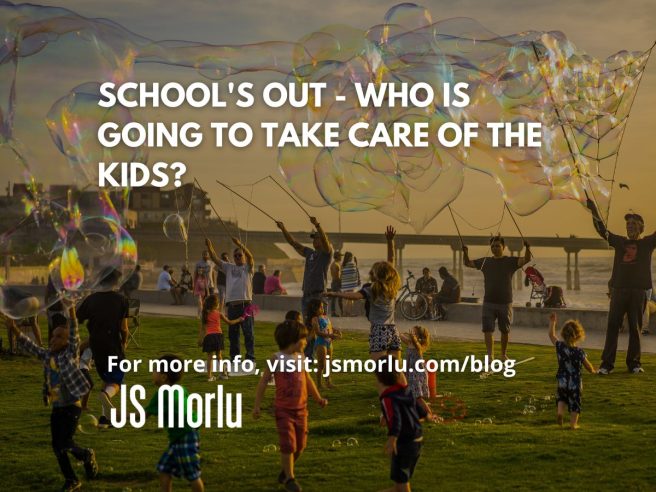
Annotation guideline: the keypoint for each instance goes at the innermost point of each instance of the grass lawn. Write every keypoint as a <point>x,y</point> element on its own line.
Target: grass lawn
<point>613,450</point>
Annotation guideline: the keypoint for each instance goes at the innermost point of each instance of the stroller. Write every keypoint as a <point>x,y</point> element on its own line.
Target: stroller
<point>538,288</point>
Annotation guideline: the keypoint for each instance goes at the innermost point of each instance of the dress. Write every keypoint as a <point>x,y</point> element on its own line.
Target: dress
<point>417,381</point>
<point>570,360</point>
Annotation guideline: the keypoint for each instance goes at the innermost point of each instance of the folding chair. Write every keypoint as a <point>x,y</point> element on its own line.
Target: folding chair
<point>133,320</point>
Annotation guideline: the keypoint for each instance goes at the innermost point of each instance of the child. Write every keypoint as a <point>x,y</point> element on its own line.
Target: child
<point>380,297</point>
<point>182,457</point>
<point>570,360</point>
<point>417,341</point>
<point>65,385</point>
<point>292,387</point>
<point>210,336</point>
<point>201,287</point>
<point>402,415</point>
<point>325,335</point>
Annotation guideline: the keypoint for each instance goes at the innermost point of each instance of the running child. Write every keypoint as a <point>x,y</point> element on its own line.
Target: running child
<point>570,360</point>
<point>292,387</point>
<point>380,303</point>
<point>210,336</point>
<point>325,334</point>
<point>417,342</point>
<point>65,384</point>
<point>402,415</point>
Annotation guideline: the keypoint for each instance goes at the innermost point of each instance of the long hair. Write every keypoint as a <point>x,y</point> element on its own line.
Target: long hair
<point>211,304</point>
<point>348,257</point>
<point>312,310</point>
<point>423,337</point>
<point>385,281</point>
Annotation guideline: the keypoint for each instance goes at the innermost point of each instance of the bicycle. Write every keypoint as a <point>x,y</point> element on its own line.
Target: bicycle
<point>413,304</point>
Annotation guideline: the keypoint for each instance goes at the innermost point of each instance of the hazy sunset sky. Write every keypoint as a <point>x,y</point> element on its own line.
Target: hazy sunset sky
<point>600,27</point>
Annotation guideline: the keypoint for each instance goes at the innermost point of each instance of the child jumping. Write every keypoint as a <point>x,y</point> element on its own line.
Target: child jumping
<point>65,385</point>
<point>417,341</point>
<point>380,303</point>
<point>570,360</point>
<point>210,336</point>
<point>402,415</point>
<point>325,334</point>
<point>182,458</point>
<point>292,387</point>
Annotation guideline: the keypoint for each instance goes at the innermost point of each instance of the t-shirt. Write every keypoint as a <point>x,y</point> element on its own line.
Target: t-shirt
<point>291,386</point>
<point>164,281</point>
<point>175,433</point>
<point>315,276</point>
<point>426,285</point>
<point>105,312</point>
<point>213,323</point>
<point>379,311</point>
<point>259,280</point>
<point>450,289</point>
<point>498,273</point>
<point>272,285</point>
<point>632,262</point>
<point>239,281</point>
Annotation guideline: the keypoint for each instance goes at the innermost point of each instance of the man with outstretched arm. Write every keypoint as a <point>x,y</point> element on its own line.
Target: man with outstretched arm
<point>629,284</point>
<point>498,271</point>
<point>239,295</point>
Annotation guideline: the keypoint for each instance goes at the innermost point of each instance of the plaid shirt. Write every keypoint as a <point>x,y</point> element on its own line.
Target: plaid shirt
<point>73,383</point>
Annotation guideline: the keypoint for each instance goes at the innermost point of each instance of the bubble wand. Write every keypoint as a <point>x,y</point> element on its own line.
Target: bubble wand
<point>290,195</point>
<point>245,199</point>
<point>213,209</point>
<point>462,243</point>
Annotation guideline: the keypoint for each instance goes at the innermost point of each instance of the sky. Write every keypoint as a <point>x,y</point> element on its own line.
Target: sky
<point>600,27</point>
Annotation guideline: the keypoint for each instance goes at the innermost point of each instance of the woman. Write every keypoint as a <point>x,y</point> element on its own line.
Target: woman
<point>273,286</point>
<point>350,279</point>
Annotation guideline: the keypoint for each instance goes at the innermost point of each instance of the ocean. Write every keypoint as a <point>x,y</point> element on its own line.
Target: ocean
<point>594,274</point>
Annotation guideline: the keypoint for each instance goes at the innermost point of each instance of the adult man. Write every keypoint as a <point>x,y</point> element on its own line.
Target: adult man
<point>239,294</point>
<point>317,261</point>
<point>629,284</point>
<point>107,314</point>
<point>336,283</point>
<point>208,269</point>
<point>165,282</point>
<point>259,279</point>
<point>449,292</point>
<point>497,271</point>
<point>427,285</point>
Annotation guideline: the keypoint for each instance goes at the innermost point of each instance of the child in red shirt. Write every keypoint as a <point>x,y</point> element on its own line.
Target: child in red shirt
<point>210,336</point>
<point>292,387</point>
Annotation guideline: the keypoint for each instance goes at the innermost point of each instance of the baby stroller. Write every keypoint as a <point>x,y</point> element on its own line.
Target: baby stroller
<point>538,288</point>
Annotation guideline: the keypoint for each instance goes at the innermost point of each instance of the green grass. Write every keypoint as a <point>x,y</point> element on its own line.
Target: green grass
<point>612,451</point>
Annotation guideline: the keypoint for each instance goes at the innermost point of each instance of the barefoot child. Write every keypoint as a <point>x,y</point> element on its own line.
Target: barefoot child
<point>402,415</point>
<point>65,385</point>
<point>182,458</point>
<point>417,342</point>
<point>292,387</point>
<point>570,360</point>
<point>210,336</point>
<point>325,334</point>
<point>380,297</point>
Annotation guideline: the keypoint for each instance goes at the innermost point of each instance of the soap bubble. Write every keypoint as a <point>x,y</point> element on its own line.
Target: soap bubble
<point>352,441</point>
<point>336,443</point>
<point>487,421</point>
<point>175,228</point>
<point>269,448</point>
<point>88,424</point>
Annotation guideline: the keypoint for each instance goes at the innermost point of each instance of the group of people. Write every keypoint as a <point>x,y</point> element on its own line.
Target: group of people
<point>309,333</point>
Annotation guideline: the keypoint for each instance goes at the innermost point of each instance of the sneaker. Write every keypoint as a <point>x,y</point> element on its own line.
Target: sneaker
<point>71,486</point>
<point>637,370</point>
<point>292,485</point>
<point>211,378</point>
<point>602,371</point>
<point>645,332</point>
<point>104,423</point>
<point>90,465</point>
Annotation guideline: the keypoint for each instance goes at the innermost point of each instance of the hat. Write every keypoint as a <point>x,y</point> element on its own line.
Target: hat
<point>636,217</point>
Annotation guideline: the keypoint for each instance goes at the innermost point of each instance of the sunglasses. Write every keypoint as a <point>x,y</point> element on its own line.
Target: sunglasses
<point>238,255</point>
